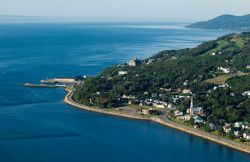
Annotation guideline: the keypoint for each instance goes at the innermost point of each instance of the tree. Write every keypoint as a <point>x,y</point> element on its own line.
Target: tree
<point>220,130</point>
<point>206,127</point>
<point>231,134</point>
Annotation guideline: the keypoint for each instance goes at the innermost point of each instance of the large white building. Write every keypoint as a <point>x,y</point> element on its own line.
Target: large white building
<point>224,70</point>
<point>134,62</point>
<point>122,73</point>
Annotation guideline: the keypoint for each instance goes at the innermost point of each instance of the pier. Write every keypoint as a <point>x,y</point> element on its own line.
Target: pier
<point>58,80</point>
<point>40,85</point>
<point>45,85</point>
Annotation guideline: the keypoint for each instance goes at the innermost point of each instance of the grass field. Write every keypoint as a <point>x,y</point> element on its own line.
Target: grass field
<point>221,79</point>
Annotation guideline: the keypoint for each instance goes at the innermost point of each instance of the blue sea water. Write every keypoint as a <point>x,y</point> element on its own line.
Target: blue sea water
<point>35,124</point>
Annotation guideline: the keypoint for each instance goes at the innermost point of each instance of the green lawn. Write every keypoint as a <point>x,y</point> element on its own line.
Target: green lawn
<point>221,79</point>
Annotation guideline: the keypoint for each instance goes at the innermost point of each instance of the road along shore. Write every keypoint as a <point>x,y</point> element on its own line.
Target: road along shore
<point>199,133</point>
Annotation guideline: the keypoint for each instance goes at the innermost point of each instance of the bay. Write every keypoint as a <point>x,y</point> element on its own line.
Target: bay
<point>35,124</point>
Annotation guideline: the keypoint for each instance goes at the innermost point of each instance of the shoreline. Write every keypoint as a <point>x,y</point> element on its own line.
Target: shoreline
<point>198,133</point>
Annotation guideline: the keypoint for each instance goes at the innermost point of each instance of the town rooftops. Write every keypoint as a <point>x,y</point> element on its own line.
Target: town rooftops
<point>134,62</point>
<point>198,119</point>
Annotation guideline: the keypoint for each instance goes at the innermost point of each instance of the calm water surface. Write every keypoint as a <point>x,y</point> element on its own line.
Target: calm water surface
<point>35,124</point>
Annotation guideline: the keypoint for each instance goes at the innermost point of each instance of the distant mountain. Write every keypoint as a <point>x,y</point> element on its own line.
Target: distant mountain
<point>18,18</point>
<point>36,19</point>
<point>228,22</point>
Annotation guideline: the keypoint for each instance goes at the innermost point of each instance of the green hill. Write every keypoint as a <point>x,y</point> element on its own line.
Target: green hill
<point>164,75</point>
<point>227,22</point>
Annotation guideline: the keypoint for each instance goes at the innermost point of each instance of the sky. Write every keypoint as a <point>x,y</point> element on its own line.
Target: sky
<point>125,10</point>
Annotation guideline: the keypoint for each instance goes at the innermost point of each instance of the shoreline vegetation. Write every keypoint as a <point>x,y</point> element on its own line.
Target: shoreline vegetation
<point>196,132</point>
<point>205,87</point>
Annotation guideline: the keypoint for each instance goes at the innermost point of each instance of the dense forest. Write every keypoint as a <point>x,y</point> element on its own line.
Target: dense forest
<point>161,76</point>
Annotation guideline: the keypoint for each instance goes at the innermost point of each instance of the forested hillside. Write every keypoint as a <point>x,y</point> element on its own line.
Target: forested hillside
<point>216,73</point>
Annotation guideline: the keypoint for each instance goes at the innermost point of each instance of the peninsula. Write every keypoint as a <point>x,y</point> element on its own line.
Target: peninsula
<point>203,91</point>
<point>226,22</point>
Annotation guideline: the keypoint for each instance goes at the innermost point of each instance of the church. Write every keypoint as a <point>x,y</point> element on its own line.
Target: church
<point>194,110</point>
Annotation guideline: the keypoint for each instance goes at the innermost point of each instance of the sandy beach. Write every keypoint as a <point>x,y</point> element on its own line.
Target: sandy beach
<point>217,139</point>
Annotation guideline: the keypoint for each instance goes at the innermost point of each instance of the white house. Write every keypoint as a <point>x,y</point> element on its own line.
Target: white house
<point>223,85</point>
<point>246,126</point>
<point>159,105</point>
<point>185,117</point>
<point>134,62</point>
<point>238,124</point>
<point>122,73</point>
<point>178,113</point>
<point>246,136</point>
<point>186,91</point>
<point>226,128</point>
<point>247,93</point>
<point>224,70</point>
<point>185,83</point>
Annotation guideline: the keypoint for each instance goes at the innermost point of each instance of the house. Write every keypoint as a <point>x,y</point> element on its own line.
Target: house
<point>198,110</point>
<point>248,66</point>
<point>166,89</point>
<point>145,111</point>
<point>185,83</point>
<point>185,117</point>
<point>150,61</point>
<point>246,136</point>
<point>126,97</point>
<point>198,119</point>
<point>169,106</point>
<point>246,126</point>
<point>159,105</point>
<point>238,124</point>
<point>186,91</point>
<point>226,128</point>
<point>237,134</point>
<point>224,70</point>
<point>178,113</point>
<point>223,85</point>
<point>212,126</point>
<point>247,93</point>
<point>134,62</point>
<point>122,73</point>
<point>178,90</point>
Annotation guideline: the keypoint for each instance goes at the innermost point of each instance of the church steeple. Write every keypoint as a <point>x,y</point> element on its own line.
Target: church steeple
<point>191,106</point>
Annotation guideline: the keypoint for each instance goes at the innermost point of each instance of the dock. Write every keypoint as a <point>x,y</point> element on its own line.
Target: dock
<point>40,85</point>
<point>58,80</point>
